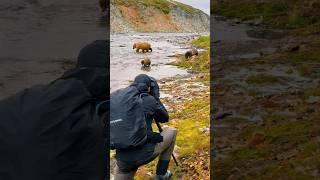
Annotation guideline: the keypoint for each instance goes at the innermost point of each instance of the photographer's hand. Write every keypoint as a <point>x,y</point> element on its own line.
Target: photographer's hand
<point>154,137</point>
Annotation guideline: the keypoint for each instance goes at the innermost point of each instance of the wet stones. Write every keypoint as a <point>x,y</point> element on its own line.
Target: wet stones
<point>222,115</point>
<point>292,48</point>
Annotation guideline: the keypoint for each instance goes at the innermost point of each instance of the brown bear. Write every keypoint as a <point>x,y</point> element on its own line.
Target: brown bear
<point>146,62</point>
<point>142,45</point>
<point>190,53</point>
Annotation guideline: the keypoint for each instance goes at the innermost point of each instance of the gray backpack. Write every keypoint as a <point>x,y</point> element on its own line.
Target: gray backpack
<point>127,120</point>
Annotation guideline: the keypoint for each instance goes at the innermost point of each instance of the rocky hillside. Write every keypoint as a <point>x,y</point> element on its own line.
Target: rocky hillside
<point>156,16</point>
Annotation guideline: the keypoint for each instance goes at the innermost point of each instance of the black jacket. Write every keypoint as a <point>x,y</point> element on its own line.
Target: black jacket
<point>52,131</point>
<point>130,159</point>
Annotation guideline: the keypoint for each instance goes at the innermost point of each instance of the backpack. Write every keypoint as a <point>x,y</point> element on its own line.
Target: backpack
<point>51,132</point>
<point>128,126</point>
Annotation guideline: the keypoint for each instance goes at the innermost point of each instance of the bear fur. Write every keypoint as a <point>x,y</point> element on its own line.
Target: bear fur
<point>190,53</point>
<point>146,47</point>
<point>146,62</point>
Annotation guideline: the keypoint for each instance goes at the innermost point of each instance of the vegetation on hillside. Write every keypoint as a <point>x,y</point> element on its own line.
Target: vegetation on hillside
<point>163,5</point>
<point>303,16</point>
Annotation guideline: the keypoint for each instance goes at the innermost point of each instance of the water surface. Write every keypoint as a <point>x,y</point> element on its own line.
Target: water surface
<point>125,62</point>
<point>38,36</point>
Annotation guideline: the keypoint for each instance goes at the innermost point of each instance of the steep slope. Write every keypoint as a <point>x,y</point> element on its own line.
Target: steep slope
<point>156,16</point>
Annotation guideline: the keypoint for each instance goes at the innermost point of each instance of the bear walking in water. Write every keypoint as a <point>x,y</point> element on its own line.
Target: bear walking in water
<point>146,62</point>
<point>189,54</point>
<point>146,47</point>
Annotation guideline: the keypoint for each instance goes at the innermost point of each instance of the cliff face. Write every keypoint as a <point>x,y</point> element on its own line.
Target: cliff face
<point>156,16</point>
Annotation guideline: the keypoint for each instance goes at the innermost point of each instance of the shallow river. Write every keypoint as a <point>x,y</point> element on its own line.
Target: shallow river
<point>38,36</point>
<point>125,63</point>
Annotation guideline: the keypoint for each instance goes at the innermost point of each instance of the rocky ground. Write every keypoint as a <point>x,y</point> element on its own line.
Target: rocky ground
<point>266,99</point>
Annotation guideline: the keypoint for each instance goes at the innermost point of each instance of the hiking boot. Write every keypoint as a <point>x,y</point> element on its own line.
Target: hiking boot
<point>164,177</point>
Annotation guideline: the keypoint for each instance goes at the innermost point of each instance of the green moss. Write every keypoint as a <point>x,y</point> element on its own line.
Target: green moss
<point>311,92</point>
<point>304,69</point>
<point>162,5</point>
<point>283,138</point>
<point>202,42</point>
<point>261,79</point>
<point>308,29</point>
<point>201,63</point>
<point>285,14</point>
<point>305,60</point>
<point>311,54</point>
<point>189,9</point>
<point>194,114</point>
<point>247,153</point>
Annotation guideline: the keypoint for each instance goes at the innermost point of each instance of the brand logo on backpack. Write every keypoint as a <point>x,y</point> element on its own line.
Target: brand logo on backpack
<point>116,121</point>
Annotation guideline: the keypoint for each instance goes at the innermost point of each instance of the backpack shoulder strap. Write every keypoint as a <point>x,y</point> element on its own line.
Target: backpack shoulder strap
<point>143,94</point>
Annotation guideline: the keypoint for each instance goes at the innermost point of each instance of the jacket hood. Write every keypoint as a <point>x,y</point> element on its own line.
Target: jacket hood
<point>142,82</point>
<point>94,79</point>
<point>93,69</point>
<point>94,55</point>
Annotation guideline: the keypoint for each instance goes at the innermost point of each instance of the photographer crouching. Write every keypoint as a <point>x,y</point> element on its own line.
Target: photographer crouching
<point>132,112</point>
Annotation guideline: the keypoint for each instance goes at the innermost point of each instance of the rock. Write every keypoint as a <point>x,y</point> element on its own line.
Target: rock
<point>258,22</point>
<point>204,129</point>
<point>192,71</point>
<point>222,115</point>
<point>249,22</point>
<point>292,48</point>
<point>236,21</point>
<point>261,53</point>
<point>256,118</point>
